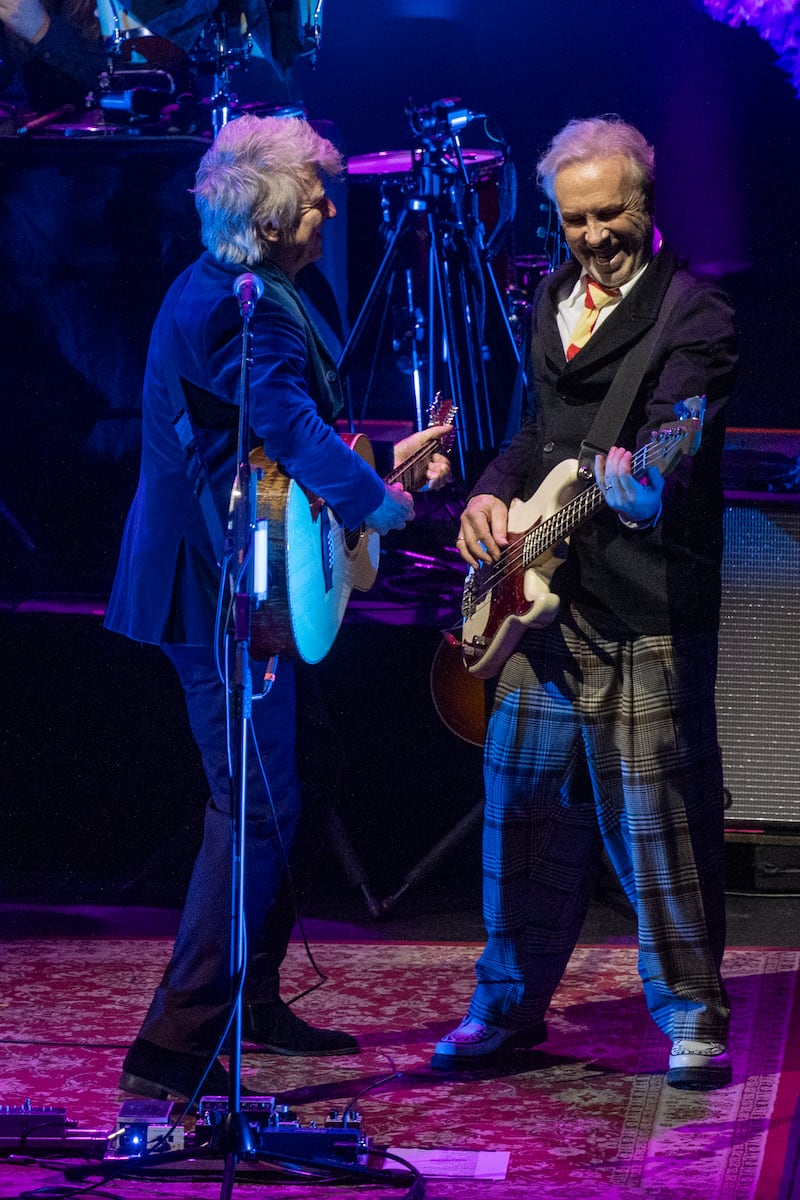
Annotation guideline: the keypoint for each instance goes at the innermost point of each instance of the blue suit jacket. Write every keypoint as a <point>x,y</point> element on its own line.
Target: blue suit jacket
<point>167,578</point>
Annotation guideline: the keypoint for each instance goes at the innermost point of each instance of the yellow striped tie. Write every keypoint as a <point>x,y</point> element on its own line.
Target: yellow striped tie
<point>597,297</point>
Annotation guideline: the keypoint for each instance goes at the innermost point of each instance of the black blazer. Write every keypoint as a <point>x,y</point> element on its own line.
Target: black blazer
<point>666,579</point>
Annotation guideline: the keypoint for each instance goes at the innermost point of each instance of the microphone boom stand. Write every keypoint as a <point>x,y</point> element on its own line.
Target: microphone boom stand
<point>233,1138</point>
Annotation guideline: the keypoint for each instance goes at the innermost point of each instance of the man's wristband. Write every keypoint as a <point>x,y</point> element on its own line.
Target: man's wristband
<point>641,525</point>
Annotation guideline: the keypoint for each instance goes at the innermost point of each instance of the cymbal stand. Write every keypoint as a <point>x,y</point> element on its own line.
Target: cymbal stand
<point>223,101</point>
<point>448,335</point>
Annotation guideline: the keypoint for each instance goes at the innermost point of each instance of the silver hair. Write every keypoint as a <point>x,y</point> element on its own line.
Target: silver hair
<point>597,137</point>
<point>253,177</point>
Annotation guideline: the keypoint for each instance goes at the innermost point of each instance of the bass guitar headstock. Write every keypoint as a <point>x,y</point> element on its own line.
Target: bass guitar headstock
<point>677,438</point>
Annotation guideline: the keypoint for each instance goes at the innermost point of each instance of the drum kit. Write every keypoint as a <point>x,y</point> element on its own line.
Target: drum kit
<point>172,70</point>
<point>446,277</point>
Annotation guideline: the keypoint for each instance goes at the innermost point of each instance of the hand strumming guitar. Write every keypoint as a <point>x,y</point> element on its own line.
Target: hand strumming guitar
<point>394,512</point>
<point>484,525</point>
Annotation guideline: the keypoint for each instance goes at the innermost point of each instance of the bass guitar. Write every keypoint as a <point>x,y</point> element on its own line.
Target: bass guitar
<point>314,562</point>
<point>500,602</point>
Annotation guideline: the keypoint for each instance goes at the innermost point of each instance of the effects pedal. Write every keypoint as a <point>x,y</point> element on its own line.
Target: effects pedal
<point>279,1134</point>
<point>44,1129</point>
<point>146,1127</point>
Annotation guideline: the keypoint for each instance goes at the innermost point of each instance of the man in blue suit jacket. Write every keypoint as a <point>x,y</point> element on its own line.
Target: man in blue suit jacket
<point>263,207</point>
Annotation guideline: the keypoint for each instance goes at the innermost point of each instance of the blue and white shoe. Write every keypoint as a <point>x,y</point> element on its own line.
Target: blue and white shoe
<point>476,1045</point>
<point>699,1066</point>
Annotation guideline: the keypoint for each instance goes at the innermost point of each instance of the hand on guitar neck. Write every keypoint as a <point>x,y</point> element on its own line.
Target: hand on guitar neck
<point>418,464</point>
<point>415,467</point>
<point>484,522</point>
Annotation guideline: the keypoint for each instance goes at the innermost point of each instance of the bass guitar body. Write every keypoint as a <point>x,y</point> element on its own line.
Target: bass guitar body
<point>462,701</point>
<point>519,597</point>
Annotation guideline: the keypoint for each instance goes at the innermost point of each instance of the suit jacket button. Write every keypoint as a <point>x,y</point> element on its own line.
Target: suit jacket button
<point>549,447</point>
<point>330,375</point>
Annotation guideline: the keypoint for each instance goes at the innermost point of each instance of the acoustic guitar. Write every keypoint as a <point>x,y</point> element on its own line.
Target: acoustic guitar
<point>314,562</point>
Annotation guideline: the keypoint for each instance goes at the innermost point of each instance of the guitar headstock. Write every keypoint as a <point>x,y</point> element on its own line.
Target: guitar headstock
<point>674,439</point>
<point>692,406</point>
<point>443,412</point>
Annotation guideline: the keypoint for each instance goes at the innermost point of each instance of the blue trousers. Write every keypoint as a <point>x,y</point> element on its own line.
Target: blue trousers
<point>191,1004</point>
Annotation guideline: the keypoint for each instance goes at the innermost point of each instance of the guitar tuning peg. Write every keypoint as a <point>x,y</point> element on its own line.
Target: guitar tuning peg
<point>693,406</point>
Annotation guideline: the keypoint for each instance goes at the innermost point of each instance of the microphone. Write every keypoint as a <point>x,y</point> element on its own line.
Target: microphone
<point>248,290</point>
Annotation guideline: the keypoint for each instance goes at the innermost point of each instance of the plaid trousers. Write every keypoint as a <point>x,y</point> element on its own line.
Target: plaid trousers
<point>595,741</point>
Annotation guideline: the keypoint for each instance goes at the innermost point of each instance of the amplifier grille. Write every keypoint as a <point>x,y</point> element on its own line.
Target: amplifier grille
<point>758,686</point>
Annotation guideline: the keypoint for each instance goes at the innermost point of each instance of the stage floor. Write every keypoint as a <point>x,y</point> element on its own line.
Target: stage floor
<point>587,1114</point>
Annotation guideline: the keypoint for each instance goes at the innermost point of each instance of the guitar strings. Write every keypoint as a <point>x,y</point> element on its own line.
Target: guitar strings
<point>535,541</point>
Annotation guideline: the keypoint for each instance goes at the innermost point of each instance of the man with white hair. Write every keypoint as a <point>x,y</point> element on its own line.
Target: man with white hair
<point>260,194</point>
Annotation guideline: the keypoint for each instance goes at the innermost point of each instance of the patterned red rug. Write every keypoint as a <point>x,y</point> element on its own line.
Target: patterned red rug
<point>586,1116</point>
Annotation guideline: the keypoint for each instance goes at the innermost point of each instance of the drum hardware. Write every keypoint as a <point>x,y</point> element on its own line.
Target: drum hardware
<point>201,92</point>
<point>129,42</point>
<point>120,29</point>
<point>312,33</point>
<point>450,324</point>
<point>215,52</point>
<point>259,109</point>
<point>555,247</point>
<point>527,271</point>
<point>135,93</point>
<point>118,41</point>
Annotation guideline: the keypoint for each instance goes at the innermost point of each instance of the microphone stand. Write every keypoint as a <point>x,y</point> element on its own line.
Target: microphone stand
<point>235,1134</point>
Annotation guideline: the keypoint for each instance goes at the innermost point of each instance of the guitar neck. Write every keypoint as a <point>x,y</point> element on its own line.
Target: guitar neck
<point>575,512</point>
<point>412,473</point>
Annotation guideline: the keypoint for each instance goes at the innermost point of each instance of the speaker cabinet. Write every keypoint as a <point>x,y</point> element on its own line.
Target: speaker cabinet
<point>758,687</point>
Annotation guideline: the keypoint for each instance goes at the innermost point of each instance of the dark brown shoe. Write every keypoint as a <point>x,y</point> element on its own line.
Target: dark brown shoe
<point>275,1029</point>
<point>150,1070</point>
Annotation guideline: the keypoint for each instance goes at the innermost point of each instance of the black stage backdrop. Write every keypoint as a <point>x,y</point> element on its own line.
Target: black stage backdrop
<point>101,776</point>
<point>93,231</point>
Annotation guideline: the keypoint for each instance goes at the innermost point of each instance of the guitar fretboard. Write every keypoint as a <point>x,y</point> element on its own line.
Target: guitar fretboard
<point>412,472</point>
<point>665,446</point>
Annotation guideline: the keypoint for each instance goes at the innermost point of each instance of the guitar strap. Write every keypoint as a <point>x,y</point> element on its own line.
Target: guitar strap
<point>620,396</point>
<point>193,461</point>
<point>197,473</point>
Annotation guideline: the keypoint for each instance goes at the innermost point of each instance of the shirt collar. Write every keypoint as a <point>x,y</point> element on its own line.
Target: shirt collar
<point>579,290</point>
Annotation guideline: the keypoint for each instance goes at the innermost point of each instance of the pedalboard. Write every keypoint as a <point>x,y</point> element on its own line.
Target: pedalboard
<point>43,1129</point>
<point>154,1127</point>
